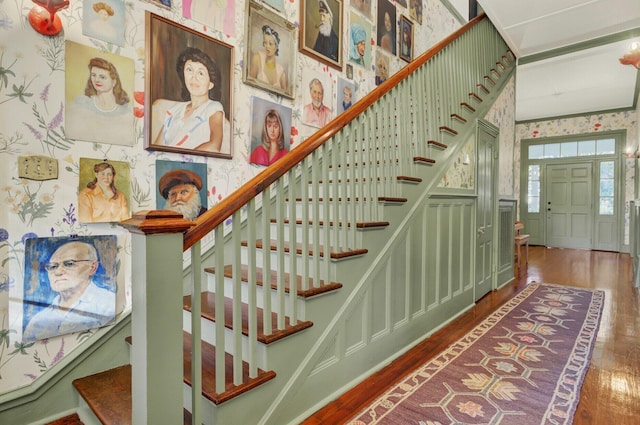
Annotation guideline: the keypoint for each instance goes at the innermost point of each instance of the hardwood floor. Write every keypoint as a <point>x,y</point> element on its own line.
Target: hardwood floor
<point>611,390</point>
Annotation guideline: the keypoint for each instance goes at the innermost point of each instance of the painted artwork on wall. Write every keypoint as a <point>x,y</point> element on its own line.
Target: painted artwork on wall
<point>69,285</point>
<point>270,131</point>
<point>321,31</point>
<point>216,14</point>
<point>104,20</point>
<point>182,187</point>
<point>317,92</point>
<point>188,85</point>
<point>362,6</point>
<point>406,39</point>
<point>346,91</point>
<point>386,28</point>
<point>382,66</point>
<point>276,4</point>
<point>270,57</point>
<point>103,191</point>
<point>359,36</point>
<point>99,90</point>
<point>415,10</point>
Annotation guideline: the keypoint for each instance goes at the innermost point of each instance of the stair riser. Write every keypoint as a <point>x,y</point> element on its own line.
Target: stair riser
<point>209,335</point>
<point>333,191</point>
<point>244,294</point>
<point>273,257</point>
<point>300,206</point>
<point>299,231</point>
<point>86,414</point>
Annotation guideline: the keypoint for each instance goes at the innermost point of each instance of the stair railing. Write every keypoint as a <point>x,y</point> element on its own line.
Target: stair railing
<point>340,176</point>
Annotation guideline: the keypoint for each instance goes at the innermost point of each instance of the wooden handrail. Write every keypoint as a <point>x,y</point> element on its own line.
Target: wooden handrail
<point>236,200</point>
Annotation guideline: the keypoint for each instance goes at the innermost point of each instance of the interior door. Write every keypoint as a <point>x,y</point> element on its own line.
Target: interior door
<point>569,205</point>
<point>485,217</point>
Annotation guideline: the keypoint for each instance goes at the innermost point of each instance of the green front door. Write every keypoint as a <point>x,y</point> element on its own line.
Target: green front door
<point>569,211</point>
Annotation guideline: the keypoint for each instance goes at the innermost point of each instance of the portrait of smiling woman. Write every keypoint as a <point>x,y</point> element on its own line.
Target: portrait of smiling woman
<point>195,123</point>
<point>269,57</point>
<point>101,200</point>
<point>189,89</point>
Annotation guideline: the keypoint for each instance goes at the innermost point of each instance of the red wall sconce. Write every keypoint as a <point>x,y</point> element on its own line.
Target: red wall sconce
<point>632,57</point>
<point>43,16</point>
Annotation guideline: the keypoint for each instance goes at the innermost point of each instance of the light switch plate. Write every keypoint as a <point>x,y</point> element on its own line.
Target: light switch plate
<point>37,167</point>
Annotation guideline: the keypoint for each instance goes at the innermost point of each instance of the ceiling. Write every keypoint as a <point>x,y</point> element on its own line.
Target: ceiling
<point>568,53</point>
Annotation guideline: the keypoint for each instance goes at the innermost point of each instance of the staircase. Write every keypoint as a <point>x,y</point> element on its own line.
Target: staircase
<point>297,263</point>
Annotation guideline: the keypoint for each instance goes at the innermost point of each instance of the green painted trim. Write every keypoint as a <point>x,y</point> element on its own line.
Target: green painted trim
<point>587,114</point>
<point>612,38</point>
<point>59,370</point>
<point>53,394</point>
<point>620,136</point>
<point>461,19</point>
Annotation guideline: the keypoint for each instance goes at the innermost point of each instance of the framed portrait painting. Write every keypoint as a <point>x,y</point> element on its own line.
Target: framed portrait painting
<point>270,54</point>
<point>321,31</point>
<point>406,39</point>
<point>188,90</point>
<point>69,285</point>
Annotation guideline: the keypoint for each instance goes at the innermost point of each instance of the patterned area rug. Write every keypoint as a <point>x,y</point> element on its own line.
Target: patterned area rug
<point>523,365</point>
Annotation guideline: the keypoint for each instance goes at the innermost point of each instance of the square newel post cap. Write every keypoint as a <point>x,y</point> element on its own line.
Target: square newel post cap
<point>156,222</point>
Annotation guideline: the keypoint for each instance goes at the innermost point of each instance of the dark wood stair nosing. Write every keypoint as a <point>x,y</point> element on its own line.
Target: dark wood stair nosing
<point>302,293</point>
<point>423,160</point>
<point>359,224</point>
<point>273,246</point>
<point>409,179</point>
<point>208,312</point>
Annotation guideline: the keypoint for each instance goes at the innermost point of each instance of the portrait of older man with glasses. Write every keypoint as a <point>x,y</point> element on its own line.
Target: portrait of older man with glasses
<point>76,301</point>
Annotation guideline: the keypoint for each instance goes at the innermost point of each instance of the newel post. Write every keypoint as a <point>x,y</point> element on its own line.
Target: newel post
<point>156,317</point>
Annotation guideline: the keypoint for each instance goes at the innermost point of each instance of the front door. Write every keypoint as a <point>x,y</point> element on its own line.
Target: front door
<point>485,217</point>
<point>569,212</point>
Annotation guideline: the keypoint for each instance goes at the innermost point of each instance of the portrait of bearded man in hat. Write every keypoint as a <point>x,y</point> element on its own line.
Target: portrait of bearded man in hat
<point>327,40</point>
<point>180,189</point>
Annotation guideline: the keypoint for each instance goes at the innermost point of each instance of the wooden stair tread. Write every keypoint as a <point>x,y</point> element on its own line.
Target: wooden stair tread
<point>273,246</point>
<point>306,293</point>
<point>348,199</point>
<point>73,419</point>
<point>359,225</point>
<point>209,376</point>
<point>108,394</point>
<point>208,309</point>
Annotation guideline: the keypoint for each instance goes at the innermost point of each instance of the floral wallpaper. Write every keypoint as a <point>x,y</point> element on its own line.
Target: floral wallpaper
<point>32,122</point>
<point>502,115</point>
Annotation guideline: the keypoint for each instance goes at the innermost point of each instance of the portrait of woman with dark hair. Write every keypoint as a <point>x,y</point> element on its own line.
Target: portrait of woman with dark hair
<point>197,122</point>
<point>100,200</point>
<point>264,63</point>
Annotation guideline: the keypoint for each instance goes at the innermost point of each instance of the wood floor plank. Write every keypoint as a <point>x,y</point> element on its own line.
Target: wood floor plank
<point>611,389</point>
